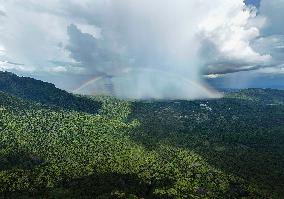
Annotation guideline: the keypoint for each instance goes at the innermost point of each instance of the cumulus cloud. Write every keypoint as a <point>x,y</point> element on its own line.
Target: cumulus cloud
<point>227,27</point>
<point>31,37</point>
<point>228,38</point>
<point>94,54</point>
<point>10,66</point>
<point>274,44</point>
<point>154,46</point>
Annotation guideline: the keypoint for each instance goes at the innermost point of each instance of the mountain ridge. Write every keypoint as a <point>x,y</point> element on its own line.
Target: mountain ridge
<point>45,93</point>
<point>217,148</point>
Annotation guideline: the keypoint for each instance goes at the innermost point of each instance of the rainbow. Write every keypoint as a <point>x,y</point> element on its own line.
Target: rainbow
<point>87,83</point>
<point>203,88</point>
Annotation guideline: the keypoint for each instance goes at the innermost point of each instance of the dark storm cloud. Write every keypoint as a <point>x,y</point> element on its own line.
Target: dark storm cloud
<point>157,43</point>
<point>229,67</point>
<point>217,63</point>
<point>94,54</point>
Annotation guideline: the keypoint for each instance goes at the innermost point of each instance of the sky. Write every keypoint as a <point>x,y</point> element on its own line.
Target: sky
<point>145,49</point>
<point>255,3</point>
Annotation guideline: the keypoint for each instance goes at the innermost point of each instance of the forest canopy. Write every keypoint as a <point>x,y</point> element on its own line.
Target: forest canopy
<point>104,147</point>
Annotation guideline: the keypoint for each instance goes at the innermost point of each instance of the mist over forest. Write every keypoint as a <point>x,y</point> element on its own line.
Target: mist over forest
<point>141,99</point>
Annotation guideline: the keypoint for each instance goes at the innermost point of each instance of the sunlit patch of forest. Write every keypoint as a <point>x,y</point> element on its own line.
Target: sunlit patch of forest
<point>67,146</point>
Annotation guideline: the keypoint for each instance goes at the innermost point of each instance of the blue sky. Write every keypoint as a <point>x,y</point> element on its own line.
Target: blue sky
<point>253,2</point>
<point>184,43</point>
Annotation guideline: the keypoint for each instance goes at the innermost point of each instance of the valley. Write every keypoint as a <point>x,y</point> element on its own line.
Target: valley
<point>54,144</point>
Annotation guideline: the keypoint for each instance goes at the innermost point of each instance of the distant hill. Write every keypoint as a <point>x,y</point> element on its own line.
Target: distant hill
<point>230,147</point>
<point>47,153</point>
<point>264,96</point>
<point>45,93</point>
<point>241,133</point>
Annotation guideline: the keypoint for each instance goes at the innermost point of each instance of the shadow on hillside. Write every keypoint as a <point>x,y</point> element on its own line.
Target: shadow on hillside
<point>241,148</point>
<point>19,160</point>
<point>98,185</point>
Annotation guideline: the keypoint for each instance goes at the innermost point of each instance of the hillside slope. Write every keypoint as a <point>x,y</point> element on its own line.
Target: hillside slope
<point>61,154</point>
<point>242,133</point>
<point>45,93</point>
<point>263,96</point>
<point>220,148</point>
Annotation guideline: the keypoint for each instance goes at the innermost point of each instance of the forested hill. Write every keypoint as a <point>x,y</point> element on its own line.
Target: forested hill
<point>48,153</point>
<point>262,96</point>
<point>220,148</point>
<point>45,93</point>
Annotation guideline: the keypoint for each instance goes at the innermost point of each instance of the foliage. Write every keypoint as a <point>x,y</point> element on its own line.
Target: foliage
<point>235,134</point>
<point>265,96</point>
<point>45,93</point>
<point>224,148</point>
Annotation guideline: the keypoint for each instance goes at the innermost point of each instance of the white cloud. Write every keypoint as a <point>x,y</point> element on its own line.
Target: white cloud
<point>67,69</point>
<point>32,37</point>
<point>180,37</point>
<point>213,76</point>
<point>89,29</point>
<point>7,66</point>
<point>272,34</point>
<point>58,69</point>
<point>231,31</point>
<point>34,29</point>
